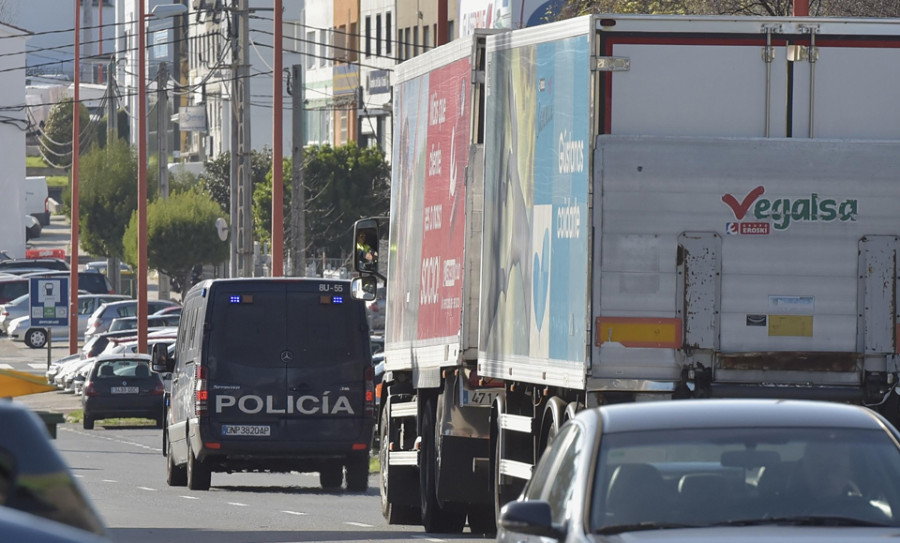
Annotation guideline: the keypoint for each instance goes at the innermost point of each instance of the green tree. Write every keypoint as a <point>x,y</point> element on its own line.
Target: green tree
<point>107,196</point>
<point>181,233</point>
<point>216,181</point>
<point>341,185</point>
<point>56,140</point>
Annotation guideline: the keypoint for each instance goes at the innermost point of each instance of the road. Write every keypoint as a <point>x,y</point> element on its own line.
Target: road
<point>122,471</point>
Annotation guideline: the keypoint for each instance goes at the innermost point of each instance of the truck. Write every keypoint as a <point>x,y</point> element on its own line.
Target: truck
<point>647,208</point>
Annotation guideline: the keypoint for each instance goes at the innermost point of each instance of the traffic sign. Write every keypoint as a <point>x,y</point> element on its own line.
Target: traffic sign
<point>49,301</point>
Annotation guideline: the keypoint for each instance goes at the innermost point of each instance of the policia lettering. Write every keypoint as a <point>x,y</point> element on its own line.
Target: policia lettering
<point>304,405</point>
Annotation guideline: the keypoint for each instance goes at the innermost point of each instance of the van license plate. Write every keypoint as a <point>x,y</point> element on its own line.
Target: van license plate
<point>242,430</point>
<point>123,390</point>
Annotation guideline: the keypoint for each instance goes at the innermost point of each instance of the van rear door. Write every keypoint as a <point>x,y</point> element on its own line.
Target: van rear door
<point>286,361</point>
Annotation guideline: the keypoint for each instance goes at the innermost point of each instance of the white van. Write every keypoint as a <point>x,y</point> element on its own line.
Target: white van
<point>37,198</point>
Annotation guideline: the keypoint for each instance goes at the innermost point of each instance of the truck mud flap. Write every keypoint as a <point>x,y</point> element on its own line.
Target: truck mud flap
<point>459,481</point>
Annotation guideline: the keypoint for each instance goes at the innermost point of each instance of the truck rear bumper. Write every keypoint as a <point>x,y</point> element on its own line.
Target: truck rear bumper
<point>851,394</point>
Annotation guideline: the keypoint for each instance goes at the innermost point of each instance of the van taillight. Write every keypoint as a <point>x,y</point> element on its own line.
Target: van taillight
<point>370,392</point>
<point>201,395</point>
<point>47,203</point>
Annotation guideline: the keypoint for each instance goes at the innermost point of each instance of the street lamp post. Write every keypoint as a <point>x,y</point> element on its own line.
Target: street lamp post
<point>160,11</point>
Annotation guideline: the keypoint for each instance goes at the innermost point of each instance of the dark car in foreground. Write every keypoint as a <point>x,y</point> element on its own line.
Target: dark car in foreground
<point>122,386</point>
<point>714,470</point>
<point>35,479</point>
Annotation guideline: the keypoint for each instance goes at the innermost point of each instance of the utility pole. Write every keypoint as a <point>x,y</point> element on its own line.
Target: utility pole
<point>241,183</point>
<point>162,156</point>
<point>298,217</point>
<point>112,134</point>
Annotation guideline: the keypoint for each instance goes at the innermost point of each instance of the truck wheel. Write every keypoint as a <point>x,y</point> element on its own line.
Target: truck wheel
<point>331,475</point>
<point>358,473</point>
<point>175,475</point>
<point>435,518</point>
<point>198,473</point>
<point>393,513</point>
<point>36,338</point>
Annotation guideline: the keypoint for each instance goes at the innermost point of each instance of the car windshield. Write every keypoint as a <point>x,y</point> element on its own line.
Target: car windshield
<point>721,476</point>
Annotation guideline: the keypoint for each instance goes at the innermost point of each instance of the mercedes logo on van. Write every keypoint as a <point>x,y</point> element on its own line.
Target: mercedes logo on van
<point>287,356</point>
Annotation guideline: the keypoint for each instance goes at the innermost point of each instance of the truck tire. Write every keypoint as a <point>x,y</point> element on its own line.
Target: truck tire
<point>435,518</point>
<point>36,338</point>
<point>198,473</point>
<point>331,475</point>
<point>358,473</point>
<point>175,475</point>
<point>393,513</point>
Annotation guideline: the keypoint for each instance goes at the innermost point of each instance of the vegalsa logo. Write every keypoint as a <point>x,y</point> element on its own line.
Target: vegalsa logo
<point>779,213</point>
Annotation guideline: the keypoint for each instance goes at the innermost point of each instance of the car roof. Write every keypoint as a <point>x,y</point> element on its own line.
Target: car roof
<point>732,413</point>
<point>124,356</point>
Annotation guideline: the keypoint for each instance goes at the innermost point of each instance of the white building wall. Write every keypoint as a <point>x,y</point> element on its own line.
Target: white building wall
<point>12,141</point>
<point>377,58</point>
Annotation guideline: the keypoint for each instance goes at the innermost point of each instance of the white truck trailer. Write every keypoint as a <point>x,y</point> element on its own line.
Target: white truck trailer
<point>654,208</point>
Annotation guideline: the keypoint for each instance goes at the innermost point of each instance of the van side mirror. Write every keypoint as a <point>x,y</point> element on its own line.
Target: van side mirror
<point>159,359</point>
<point>364,288</point>
<point>365,248</point>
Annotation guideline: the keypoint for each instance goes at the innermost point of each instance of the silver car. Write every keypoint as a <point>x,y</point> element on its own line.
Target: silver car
<point>13,310</point>
<point>714,470</point>
<point>36,336</point>
<point>100,320</point>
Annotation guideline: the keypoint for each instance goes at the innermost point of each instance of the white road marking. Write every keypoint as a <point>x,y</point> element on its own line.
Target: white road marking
<point>38,365</point>
<point>109,481</point>
<point>299,514</point>
<point>5,367</point>
<point>237,504</point>
<point>360,524</point>
<point>190,497</point>
<point>432,539</point>
<point>147,488</point>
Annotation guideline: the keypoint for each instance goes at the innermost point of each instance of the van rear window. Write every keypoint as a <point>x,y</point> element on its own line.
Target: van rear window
<point>254,327</point>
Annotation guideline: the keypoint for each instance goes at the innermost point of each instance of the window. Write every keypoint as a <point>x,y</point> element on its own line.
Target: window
<point>415,49</point>
<point>387,33</point>
<point>378,35</point>
<point>426,37</point>
<point>323,47</point>
<point>310,49</point>
<point>368,36</point>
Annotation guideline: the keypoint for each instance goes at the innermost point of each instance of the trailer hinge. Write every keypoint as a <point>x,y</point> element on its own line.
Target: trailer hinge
<point>804,53</point>
<point>768,52</point>
<point>612,64</point>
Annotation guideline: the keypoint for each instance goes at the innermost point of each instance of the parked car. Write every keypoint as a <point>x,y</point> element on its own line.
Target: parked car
<point>90,281</point>
<point>101,318</point>
<point>33,228</point>
<point>35,478</point>
<point>36,336</point>
<point>714,470</point>
<point>57,365</point>
<point>13,309</point>
<point>34,263</point>
<point>122,386</point>
<point>11,287</point>
<point>153,321</point>
<point>100,266</point>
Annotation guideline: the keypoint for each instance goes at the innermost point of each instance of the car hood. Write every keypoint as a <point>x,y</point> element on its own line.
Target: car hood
<point>754,534</point>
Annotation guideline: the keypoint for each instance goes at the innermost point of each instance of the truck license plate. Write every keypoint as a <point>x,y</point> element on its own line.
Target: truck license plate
<point>244,430</point>
<point>124,390</point>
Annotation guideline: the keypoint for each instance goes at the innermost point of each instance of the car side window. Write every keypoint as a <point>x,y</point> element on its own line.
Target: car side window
<point>553,478</point>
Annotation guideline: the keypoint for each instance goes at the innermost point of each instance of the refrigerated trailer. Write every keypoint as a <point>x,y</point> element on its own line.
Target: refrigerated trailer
<point>630,208</point>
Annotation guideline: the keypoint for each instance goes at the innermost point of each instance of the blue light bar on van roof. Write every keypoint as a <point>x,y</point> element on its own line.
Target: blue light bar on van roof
<point>328,300</point>
<point>240,299</point>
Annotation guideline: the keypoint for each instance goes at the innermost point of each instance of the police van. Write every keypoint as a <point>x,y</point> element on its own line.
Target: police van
<point>269,374</point>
